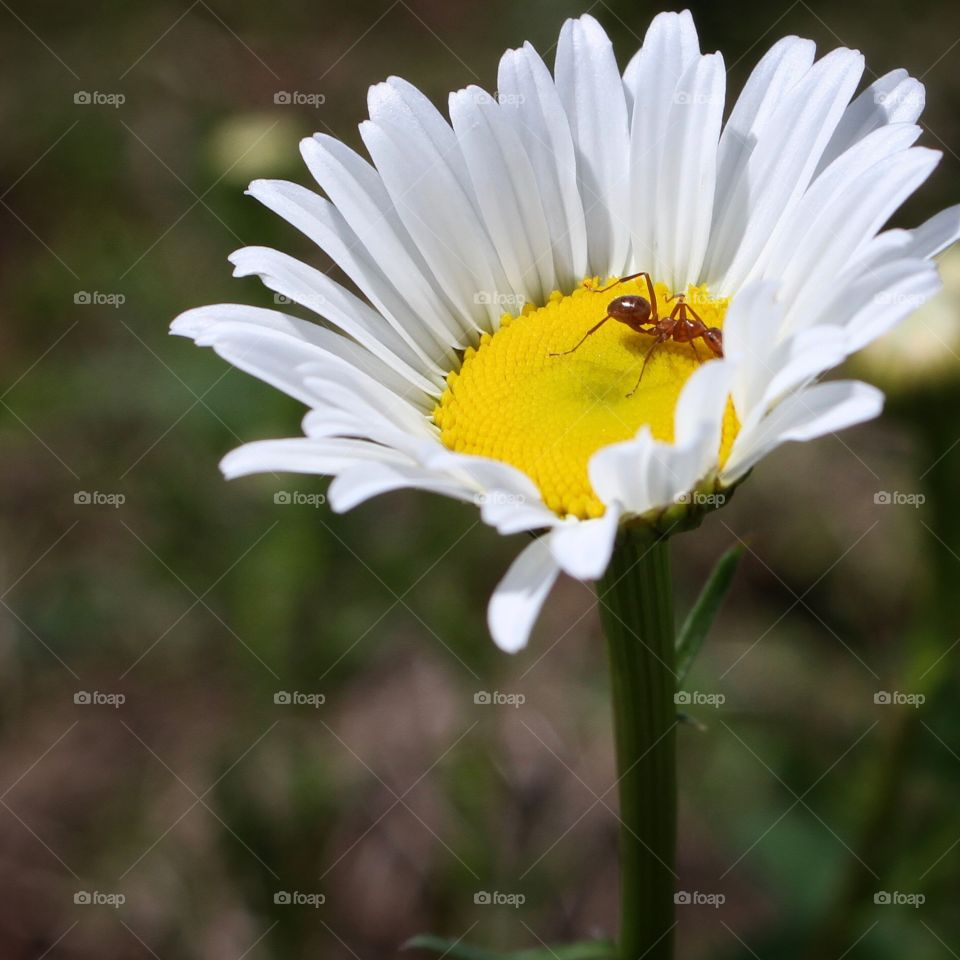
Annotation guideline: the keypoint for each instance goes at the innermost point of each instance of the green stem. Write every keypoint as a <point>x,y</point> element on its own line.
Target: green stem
<point>636,608</point>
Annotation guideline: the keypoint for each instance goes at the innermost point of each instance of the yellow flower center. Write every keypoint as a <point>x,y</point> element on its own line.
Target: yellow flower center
<point>514,400</point>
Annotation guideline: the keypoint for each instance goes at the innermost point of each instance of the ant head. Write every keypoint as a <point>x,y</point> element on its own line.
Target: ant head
<point>630,309</point>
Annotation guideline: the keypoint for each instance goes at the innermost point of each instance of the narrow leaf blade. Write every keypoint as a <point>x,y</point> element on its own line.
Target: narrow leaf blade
<point>704,611</point>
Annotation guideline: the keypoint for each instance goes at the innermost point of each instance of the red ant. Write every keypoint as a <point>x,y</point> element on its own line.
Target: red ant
<point>642,316</point>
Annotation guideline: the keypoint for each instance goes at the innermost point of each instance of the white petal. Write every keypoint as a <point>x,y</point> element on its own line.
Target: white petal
<point>883,298</point>
<point>401,104</point>
<point>317,292</point>
<point>776,73</point>
<point>343,410</point>
<point>893,98</point>
<point>779,168</point>
<point>359,483</point>
<point>685,194</point>
<point>926,241</point>
<point>507,192</point>
<point>231,329</point>
<point>798,360</point>
<point>845,225</point>
<point>701,408</point>
<point>821,409</point>
<point>640,473</point>
<point>484,472</point>
<point>507,514</point>
<point>643,474</point>
<point>671,42</point>
<point>304,455</point>
<point>749,339</point>
<point>437,208</point>
<point>936,234</point>
<point>669,47</point>
<point>322,374</point>
<point>591,91</point>
<point>509,500</point>
<point>326,227</point>
<point>516,602</point>
<point>357,191</point>
<point>831,189</point>
<point>272,357</point>
<point>753,314</point>
<point>334,420</point>
<point>582,548</point>
<point>538,117</point>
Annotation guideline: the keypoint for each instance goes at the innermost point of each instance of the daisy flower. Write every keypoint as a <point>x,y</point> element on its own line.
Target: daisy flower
<point>481,250</point>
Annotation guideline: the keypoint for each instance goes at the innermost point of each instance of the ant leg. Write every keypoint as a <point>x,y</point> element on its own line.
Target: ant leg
<point>593,329</point>
<point>632,276</point>
<point>696,353</point>
<point>654,312</point>
<point>680,308</point>
<point>660,339</point>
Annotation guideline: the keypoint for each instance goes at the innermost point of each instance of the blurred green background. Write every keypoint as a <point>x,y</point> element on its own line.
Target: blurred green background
<point>199,799</point>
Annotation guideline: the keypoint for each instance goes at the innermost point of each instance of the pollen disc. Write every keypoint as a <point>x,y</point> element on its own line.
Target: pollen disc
<point>513,401</point>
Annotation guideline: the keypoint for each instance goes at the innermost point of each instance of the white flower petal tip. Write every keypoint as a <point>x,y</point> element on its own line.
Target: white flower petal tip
<point>520,595</point>
<point>582,548</point>
<point>192,324</point>
<point>457,232</point>
<point>814,412</point>
<point>938,233</point>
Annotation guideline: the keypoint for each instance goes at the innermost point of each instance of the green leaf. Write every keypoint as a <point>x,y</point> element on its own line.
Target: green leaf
<point>697,625</point>
<point>457,950</point>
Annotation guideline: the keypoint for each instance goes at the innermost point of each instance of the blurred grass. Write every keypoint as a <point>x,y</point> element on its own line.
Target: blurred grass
<point>198,600</point>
